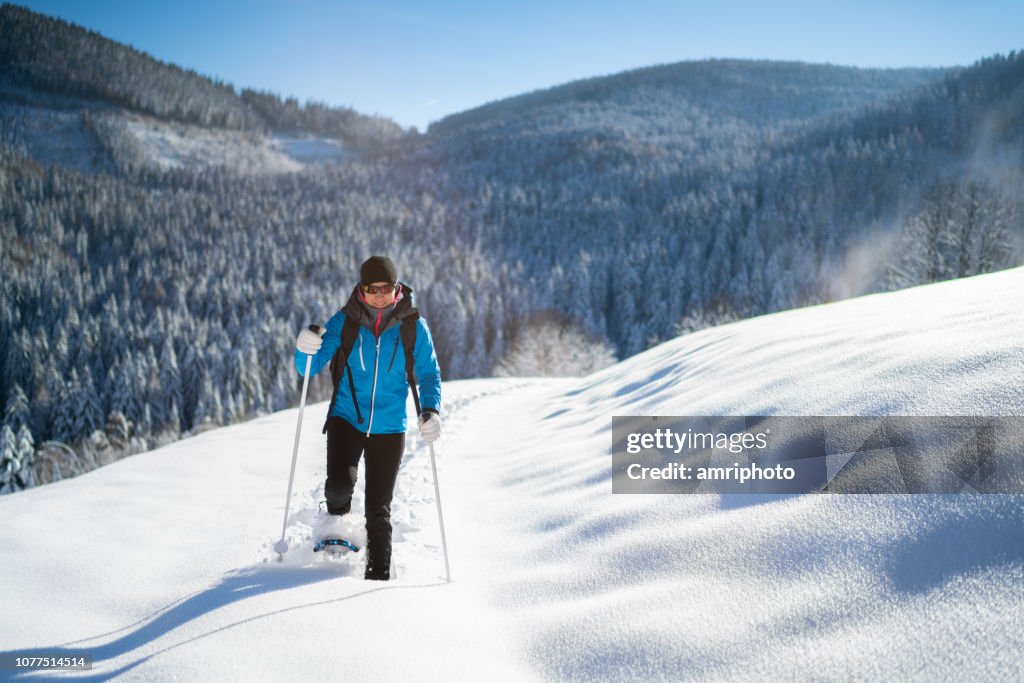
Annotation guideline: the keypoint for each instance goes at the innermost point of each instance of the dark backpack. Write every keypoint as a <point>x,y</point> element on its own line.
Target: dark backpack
<point>339,363</point>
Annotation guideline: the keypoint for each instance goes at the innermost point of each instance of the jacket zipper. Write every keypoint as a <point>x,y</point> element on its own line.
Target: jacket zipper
<point>373,392</point>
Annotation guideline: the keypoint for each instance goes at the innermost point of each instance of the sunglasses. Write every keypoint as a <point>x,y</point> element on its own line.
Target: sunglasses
<point>373,289</point>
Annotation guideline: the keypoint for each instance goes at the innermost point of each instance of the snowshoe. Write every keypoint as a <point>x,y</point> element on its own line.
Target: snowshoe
<point>334,544</point>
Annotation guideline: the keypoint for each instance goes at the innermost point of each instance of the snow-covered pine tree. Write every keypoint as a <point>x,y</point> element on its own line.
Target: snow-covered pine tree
<point>9,463</point>
<point>17,459</point>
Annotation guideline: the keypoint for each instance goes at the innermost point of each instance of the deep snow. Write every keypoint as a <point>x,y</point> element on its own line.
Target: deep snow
<point>161,565</point>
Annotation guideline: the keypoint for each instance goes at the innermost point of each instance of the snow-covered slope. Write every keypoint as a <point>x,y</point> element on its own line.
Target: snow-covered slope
<point>52,136</point>
<point>85,137</point>
<point>160,565</point>
<point>174,145</point>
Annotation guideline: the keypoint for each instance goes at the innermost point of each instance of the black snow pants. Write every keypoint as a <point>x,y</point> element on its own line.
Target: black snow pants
<point>345,445</point>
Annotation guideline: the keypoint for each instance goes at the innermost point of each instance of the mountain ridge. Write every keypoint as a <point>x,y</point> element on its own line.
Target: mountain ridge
<point>689,74</point>
<point>62,57</point>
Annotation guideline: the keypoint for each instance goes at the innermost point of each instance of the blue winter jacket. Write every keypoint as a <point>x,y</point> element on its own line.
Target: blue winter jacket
<point>378,353</point>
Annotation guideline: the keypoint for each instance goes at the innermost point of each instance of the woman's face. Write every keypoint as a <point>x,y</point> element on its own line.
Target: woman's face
<point>380,299</point>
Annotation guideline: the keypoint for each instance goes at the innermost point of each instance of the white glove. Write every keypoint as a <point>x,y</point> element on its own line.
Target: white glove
<point>430,426</point>
<point>310,339</point>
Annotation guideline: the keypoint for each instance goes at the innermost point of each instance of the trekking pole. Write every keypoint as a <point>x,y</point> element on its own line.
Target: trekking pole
<point>440,518</point>
<point>282,546</point>
<point>410,371</point>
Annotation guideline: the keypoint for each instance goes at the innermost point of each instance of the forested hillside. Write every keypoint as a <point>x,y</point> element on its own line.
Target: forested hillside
<point>141,302</point>
<point>42,54</point>
<point>698,192</point>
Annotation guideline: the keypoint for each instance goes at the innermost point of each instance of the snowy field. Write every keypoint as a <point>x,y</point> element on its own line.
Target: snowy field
<point>175,145</point>
<point>60,135</point>
<point>161,565</point>
<point>309,149</point>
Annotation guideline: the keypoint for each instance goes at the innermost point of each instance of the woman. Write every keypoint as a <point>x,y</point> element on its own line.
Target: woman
<point>367,412</point>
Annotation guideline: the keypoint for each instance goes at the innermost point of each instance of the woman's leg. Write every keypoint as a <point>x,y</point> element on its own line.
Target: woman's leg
<point>344,446</point>
<point>383,457</point>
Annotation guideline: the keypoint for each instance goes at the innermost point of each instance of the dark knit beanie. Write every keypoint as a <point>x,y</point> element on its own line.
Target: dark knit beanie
<point>378,269</point>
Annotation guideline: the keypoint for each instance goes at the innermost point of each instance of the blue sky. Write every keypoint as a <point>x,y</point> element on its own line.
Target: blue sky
<point>418,61</point>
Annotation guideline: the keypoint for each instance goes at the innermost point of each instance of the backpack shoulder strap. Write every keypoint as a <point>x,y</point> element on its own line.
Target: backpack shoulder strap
<point>409,342</point>
<point>349,334</point>
<point>339,362</point>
